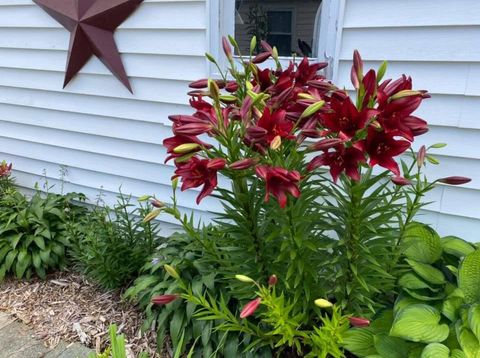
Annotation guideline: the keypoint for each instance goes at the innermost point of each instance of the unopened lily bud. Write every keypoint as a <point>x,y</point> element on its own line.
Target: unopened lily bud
<point>455,180</point>
<point>312,109</point>
<point>231,86</point>
<point>203,83</point>
<point>244,279</point>
<point>227,49</point>
<point>186,148</point>
<point>214,90</point>
<point>152,215</point>
<point>422,152</point>
<point>275,53</point>
<point>358,64</point>
<point>305,96</point>
<point>144,198</point>
<point>276,143</point>
<point>210,57</point>
<point>311,133</point>
<point>261,57</point>
<point>217,164</point>
<point>250,308</point>
<point>326,144</point>
<point>175,184</point>
<point>405,93</point>
<point>400,181</point>
<point>359,322</point>
<point>171,271</point>
<point>157,203</point>
<point>253,44</point>
<point>243,164</point>
<point>272,281</point>
<point>228,98</point>
<point>164,299</point>
<point>323,303</point>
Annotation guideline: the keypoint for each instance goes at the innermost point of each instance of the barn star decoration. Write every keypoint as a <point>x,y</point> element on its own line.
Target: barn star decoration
<point>91,24</point>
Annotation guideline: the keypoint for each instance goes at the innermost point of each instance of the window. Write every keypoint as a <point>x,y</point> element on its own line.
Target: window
<point>296,27</point>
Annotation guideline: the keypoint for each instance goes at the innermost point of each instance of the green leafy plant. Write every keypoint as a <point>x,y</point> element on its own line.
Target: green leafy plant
<point>437,311</point>
<point>117,346</point>
<point>111,245</point>
<point>33,235</point>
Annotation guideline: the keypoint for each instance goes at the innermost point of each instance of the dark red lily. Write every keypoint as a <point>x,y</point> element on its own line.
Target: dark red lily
<point>250,308</point>
<point>269,126</point>
<point>5,169</point>
<point>279,182</point>
<point>383,147</point>
<point>164,299</point>
<point>197,172</point>
<point>341,160</point>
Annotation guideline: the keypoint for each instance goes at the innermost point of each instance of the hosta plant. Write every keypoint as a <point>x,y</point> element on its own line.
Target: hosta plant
<point>33,235</point>
<point>437,313</point>
<point>317,192</point>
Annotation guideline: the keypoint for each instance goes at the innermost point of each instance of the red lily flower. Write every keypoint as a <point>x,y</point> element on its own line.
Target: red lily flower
<point>279,182</point>
<point>250,308</point>
<point>164,299</point>
<point>308,72</point>
<point>198,172</point>
<point>269,126</point>
<point>345,117</point>
<point>179,139</point>
<point>5,169</point>
<point>382,147</point>
<point>341,160</point>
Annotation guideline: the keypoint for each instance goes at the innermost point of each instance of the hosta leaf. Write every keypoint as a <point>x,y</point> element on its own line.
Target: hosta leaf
<point>421,243</point>
<point>457,353</point>
<point>450,307</point>
<point>419,323</point>
<point>10,258</point>
<point>359,341</point>
<point>14,240</point>
<point>412,281</point>
<point>467,340</point>
<point>2,272</point>
<point>23,261</point>
<point>391,347</point>
<point>435,350</point>
<point>469,277</point>
<point>427,272</point>
<point>40,242</point>
<point>455,246</point>
<point>474,319</point>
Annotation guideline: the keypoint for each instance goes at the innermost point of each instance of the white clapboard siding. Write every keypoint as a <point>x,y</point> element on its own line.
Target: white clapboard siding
<point>105,137</point>
<point>437,43</point>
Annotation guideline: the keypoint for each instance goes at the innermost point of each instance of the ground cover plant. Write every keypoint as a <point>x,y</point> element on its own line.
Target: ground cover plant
<point>324,188</point>
<point>33,235</point>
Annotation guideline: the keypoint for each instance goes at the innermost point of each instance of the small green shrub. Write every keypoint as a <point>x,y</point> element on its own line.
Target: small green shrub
<point>33,235</point>
<point>117,346</point>
<point>111,245</point>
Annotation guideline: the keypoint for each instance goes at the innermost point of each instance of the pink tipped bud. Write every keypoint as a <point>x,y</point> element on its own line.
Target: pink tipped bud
<point>243,164</point>
<point>401,181</point>
<point>422,152</point>
<point>326,144</point>
<point>216,164</point>
<point>261,57</point>
<point>199,84</point>
<point>359,322</point>
<point>157,203</point>
<point>272,281</point>
<point>231,86</point>
<point>358,64</point>
<point>250,308</point>
<point>266,46</point>
<point>226,48</point>
<point>193,128</point>
<point>164,299</point>
<point>455,180</point>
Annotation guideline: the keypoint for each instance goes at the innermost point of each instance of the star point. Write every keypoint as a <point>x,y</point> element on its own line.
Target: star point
<point>92,24</point>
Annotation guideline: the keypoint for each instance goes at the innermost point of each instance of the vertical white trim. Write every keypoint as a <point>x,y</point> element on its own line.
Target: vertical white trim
<point>219,24</point>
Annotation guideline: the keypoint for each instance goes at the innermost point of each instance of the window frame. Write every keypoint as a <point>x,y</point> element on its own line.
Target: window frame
<point>328,33</point>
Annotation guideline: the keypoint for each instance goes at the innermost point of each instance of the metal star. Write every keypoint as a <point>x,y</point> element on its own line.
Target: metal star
<point>91,24</point>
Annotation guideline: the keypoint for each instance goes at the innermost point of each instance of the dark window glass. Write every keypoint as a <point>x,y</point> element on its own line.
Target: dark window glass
<point>287,24</point>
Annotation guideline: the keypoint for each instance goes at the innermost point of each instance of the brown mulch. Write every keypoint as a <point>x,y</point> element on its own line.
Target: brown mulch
<point>68,307</point>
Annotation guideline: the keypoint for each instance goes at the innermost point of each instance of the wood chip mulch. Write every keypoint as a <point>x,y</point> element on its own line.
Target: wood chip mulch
<point>68,307</point>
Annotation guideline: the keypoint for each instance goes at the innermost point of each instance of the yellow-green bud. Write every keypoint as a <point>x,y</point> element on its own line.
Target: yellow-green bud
<point>171,271</point>
<point>186,148</point>
<point>312,109</point>
<point>244,278</point>
<point>152,215</point>
<point>323,303</point>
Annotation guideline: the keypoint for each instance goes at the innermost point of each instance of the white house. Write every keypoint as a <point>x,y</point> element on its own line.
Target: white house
<point>105,137</point>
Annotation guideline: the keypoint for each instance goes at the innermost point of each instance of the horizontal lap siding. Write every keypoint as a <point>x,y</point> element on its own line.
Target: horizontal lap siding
<point>105,137</point>
<point>437,43</point>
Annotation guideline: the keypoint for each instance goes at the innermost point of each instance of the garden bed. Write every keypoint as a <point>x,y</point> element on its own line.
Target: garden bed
<point>66,306</point>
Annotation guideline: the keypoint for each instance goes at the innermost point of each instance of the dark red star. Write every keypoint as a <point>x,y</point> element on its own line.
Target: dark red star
<point>91,24</point>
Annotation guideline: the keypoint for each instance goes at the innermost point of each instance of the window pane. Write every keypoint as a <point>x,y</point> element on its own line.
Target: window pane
<point>287,24</point>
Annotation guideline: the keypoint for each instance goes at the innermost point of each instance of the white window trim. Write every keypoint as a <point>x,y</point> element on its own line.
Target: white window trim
<point>328,33</point>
